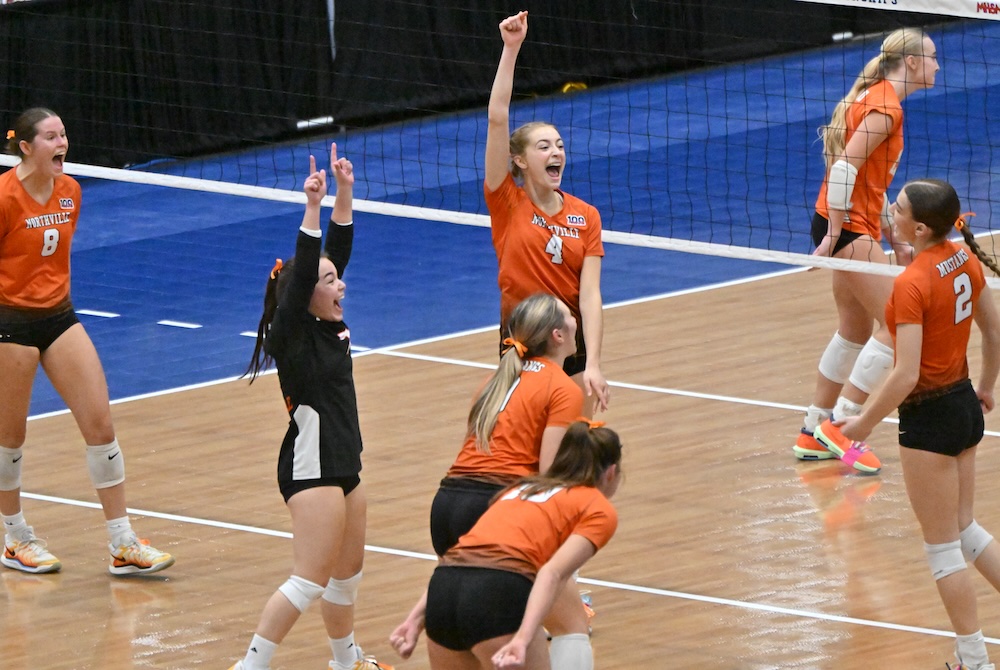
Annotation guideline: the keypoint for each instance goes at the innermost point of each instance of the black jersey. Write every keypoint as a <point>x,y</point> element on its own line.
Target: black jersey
<point>315,370</point>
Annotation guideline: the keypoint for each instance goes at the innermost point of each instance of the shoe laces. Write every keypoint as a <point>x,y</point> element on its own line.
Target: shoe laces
<point>140,549</point>
<point>32,546</point>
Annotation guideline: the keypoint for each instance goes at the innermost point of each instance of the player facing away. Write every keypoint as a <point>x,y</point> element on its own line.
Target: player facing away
<point>862,145</point>
<point>514,429</point>
<point>930,314</point>
<point>302,330</point>
<point>489,595</point>
<point>39,209</point>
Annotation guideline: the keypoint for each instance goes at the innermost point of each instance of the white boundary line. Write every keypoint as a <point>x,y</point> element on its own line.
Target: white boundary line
<point>394,350</point>
<point>620,586</point>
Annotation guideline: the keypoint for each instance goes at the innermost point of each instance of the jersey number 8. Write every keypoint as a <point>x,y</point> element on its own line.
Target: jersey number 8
<point>50,241</point>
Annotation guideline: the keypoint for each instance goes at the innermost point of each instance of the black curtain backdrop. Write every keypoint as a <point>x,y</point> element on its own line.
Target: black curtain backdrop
<point>137,80</point>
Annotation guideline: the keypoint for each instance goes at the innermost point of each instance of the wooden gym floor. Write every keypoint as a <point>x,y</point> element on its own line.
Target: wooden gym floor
<point>730,553</point>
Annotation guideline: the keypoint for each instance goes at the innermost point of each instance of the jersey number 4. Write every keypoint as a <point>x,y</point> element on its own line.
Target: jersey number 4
<point>555,249</point>
<point>50,241</point>
<point>963,297</point>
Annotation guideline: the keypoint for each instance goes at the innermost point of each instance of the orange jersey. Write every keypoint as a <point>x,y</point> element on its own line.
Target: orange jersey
<point>938,290</point>
<point>875,175</point>
<point>538,253</point>
<point>35,242</point>
<point>522,535</point>
<point>542,396</point>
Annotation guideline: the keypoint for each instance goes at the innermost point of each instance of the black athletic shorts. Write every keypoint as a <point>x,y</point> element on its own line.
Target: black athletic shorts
<point>32,330</point>
<point>820,224</point>
<point>573,364</point>
<point>457,507</point>
<point>290,488</point>
<point>944,421</point>
<point>466,606</point>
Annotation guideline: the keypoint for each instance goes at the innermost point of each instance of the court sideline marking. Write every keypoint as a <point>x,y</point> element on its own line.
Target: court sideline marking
<point>620,586</point>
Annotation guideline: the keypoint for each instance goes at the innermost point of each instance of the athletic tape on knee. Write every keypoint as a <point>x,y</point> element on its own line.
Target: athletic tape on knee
<point>571,652</point>
<point>300,592</point>
<point>342,591</point>
<point>106,464</point>
<point>838,359</point>
<point>974,540</point>
<point>10,468</point>
<point>945,559</point>
<point>872,366</point>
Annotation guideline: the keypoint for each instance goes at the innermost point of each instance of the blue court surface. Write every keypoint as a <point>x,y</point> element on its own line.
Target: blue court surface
<point>725,155</point>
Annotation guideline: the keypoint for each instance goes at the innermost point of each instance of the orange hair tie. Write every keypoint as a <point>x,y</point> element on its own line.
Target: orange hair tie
<point>277,268</point>
<point>511,342</point>
<point>10,134</point>
<point>590,422</point>
<point>960,223</point>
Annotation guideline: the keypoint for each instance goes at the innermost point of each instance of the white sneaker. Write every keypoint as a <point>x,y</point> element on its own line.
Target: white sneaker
<point>366,663</point>
<point>138,557</point>
<point>28,554</point>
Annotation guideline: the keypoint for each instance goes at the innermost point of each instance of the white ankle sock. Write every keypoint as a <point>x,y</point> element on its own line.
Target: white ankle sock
<point>971,650</point>
<point>845,408</point>
<point>259,654</point>
<point>815,416</point>
<point>345,651</point>
<point>120,531</point>
<point>15,527</point>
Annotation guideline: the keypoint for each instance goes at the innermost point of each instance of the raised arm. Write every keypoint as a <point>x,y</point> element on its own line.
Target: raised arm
<point>513,30</point>
<point>340,234</point>
<point>315,190</point>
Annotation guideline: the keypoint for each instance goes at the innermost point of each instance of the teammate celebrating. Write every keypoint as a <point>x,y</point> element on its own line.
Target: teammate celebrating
<point>545,239</point>
<point>488,598</point>
<point>302,330</point>
<point>514,429</point>
<point>39,208</point>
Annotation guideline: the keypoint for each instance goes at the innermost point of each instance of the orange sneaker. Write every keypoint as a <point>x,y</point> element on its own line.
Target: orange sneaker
<point>808,448</point>
<point>856,454</point>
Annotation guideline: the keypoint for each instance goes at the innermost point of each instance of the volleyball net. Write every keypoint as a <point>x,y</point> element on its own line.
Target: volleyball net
<point>721,158</point>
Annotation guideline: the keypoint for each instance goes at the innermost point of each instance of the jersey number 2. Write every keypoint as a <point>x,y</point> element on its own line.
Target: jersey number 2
<point>963,297</point>
<point>50,241</point>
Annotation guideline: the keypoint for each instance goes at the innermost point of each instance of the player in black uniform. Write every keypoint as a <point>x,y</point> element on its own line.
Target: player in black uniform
<point>303,332</point>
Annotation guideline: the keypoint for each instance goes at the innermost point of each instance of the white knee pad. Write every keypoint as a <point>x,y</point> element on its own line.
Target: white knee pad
<point>10,468</point>
<point>838,359</point>
<point>342,591</point>
<point>872,366</point>
<point>300,592</point>
<point>945,559</point>
<point>106,464</point>
<point>974,540</point>
<point>571,652</point>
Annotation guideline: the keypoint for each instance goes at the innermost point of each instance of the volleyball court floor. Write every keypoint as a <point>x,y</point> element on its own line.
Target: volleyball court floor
<point>711,364</point>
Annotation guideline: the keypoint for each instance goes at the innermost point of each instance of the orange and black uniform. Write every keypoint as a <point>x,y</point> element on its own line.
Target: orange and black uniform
<point>481,588</point>
<point>875,175</point>
<point>543,396</point>
<point>939,291</point>
<point>538,253</point>
<point>322,446</point>
<point>35,241</point>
